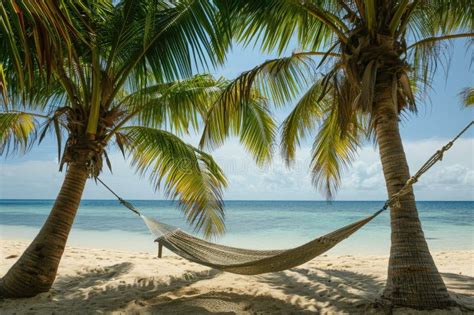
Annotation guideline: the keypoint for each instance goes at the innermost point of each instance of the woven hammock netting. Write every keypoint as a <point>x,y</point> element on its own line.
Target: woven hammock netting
<point>246,261</point>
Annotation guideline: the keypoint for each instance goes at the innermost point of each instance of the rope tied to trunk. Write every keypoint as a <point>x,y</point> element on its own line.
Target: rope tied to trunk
<point>124,202</point>
<point>394,200</point>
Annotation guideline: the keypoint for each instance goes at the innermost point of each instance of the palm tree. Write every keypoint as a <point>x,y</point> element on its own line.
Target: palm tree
<point>124,78</point>
<point>375,55</point>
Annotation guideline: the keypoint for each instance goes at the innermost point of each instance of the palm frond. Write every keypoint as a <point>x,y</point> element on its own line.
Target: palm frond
<point>426,56</point>
<point>444,37</point>
<point>279,80</point>
<point>57,122</point>
<point>258,131</point>
<point>187,173</point>
<point>40,98</point>
<point>248,118</point>
<point>436,17</point>
<point>169,39</point>
<point>467,97</point>
<point>402,8</point>
<point>302,120</point>
<point>175,106</point>
<point>333,150</point>
<point>370,14</point>
<point>17,132</point>
<point>3,87</point>
<point>433,25</point>
<point>274,23</point>
<point>37,35</point>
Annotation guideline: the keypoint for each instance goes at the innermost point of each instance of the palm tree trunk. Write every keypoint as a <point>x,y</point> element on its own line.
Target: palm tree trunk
<point>413,279</point>
<point>36,269</point>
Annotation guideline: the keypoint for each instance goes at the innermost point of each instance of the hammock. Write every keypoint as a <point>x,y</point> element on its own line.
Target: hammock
<point>253,262</point>
<point>246,261</point>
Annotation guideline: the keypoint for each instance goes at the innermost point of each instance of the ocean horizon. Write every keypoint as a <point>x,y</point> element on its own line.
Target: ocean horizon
<point>259,224</point>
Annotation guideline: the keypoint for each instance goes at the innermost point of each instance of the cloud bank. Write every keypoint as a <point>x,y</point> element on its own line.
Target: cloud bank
<point>452,179</point>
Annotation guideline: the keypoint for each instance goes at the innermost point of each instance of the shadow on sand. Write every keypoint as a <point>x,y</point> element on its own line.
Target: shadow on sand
<point>303,291</point>
<point>464,286</point>
<point>323,287</point>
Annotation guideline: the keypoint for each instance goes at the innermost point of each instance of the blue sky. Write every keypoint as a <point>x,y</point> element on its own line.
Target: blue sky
<point>440,117</point>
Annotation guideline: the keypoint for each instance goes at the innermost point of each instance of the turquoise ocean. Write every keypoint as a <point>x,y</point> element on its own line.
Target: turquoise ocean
<point>106,224</point>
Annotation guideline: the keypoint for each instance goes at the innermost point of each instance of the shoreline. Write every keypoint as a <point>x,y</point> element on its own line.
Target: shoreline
<point>111,281</point>
<point>252,225</point>
<point>364,243</point>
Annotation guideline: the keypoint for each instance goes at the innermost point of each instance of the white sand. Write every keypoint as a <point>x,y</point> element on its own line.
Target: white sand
<point>101,281</point>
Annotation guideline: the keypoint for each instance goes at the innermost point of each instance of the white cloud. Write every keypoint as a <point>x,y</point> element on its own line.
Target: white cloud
<point>451,179</point>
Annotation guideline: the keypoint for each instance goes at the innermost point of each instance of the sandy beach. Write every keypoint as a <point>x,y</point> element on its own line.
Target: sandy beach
<point>99,281</point>
<point>278,131</point>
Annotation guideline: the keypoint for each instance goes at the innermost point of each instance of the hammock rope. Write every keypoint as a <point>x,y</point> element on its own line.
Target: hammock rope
<point>252,262</point>
<point>394,200</point>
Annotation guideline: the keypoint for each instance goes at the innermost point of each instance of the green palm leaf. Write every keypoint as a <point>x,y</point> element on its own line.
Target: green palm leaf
<point>467,97</point>
<point>258,131</point>
<point>438,17</point>
<point>36,35</point>
<point>430,52</point>
<point>279,79</point>
<point>176,106</point>
<point>303,119</point>
<point>186,173</point>
<point>333,150</point>
<point>247,118</point>
<point>275,22</point>
<point>168,38</point>
<point>17,132</point>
